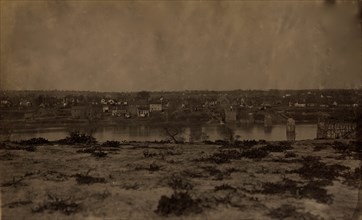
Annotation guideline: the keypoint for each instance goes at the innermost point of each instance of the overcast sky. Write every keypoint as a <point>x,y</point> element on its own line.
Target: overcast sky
<point>159,45</point>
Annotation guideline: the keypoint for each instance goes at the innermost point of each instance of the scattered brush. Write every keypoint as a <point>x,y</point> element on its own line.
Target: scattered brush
<point>255,153</point>
<point>99,153</point>
<point>231,170</point>
<point>66,206</point>
<point>179,183</point>
<point>221,142</point>
<point>353,178</point>
<point>151,167</point>
<point>87,150</point>
<point>75,137</point>
<point>17,203</point>
<point>290,155</point>
<point>133,186</point>
<point>286,185</point>
<point>86,179</point>
<point>114,144</point>
<point>246,143</point>
<point>34,141</point>
<point>311,190</point>
<point>213,171</point>
<point>208,142</point>
<point>224,187</point>
<point>178,204</point>
<point>280,147</point>
<point>103,195</point>
<point>223,156</point>
<point>193,173</point>
<point>7,156</point>
<point>319,146</point>
<point>313,168</point>
<point>287,211</point>
<point>30,148</point>
<point>341,147</point>
<point>12,146</point>
<point>148,154</point>
<point>154,167</point>
<point>162,154</point>
<point>14,182</point>
<point>51,175</point>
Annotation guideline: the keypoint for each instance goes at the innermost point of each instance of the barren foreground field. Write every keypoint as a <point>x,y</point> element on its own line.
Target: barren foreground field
<point>248,180</point>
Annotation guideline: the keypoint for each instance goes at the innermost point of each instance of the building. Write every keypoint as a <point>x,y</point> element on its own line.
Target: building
<point>143,112</point>
<point>300,105</point>
<point>25,103</point>
<point>119,111</point>
<point>156,107</point>
<point>133,106</point>
<point>105,109</point>
<point>5,103</point>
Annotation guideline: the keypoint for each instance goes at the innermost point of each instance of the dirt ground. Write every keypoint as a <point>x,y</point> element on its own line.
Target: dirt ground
<point>304,180</point>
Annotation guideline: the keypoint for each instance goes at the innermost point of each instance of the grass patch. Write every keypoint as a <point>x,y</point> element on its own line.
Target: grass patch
<point>287,211</point>
<point>65,206</point>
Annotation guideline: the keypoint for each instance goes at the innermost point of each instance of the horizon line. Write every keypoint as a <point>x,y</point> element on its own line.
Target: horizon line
<point>162,91</point>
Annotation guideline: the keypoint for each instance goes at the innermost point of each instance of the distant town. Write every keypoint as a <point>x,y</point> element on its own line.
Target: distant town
<point>268,107</point>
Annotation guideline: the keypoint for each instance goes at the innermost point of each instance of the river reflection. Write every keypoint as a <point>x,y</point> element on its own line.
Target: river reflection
<point>191,133</point>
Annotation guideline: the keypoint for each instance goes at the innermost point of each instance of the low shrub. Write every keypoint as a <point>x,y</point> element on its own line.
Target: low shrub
<point>86,179</point>
<point>114,144</point>
<point>281,147</point>
<point>223,156</point>
<point>255,153</point>
<point>245,143</point>
<point>178,204</point>
<point>148,154</point>
<point>319,146</point>
<point>34,141</point>
<point>75,137</point>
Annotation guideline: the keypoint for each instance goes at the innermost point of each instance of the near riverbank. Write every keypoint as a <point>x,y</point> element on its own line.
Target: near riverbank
<point>82,179</point>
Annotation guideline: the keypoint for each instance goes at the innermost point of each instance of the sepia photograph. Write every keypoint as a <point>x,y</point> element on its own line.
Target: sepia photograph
<point>181,109</point>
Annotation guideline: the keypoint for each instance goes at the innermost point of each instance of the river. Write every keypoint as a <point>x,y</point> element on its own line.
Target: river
<point>191,133</point>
